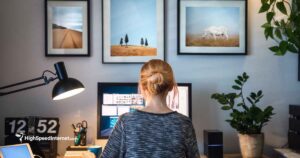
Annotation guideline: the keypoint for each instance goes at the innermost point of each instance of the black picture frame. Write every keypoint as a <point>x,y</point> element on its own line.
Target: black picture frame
<point>81,41</point>
<point>209,50</point>
<point>134,84</point>
<point>107,52</point>
<point>299,66</point>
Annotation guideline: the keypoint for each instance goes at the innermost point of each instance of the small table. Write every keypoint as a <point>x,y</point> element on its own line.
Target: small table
<point>232,156</point>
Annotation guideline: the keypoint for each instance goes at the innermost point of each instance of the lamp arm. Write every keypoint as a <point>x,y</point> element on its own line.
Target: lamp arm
<point>20,83</point>
<point>22,89</point>
<point>46,79</point>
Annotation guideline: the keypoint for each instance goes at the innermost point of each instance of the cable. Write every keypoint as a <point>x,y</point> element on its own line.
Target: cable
<point>49,72</point>
<point>37,156</point>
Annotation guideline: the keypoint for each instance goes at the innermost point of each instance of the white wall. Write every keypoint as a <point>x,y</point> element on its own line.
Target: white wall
<point>22,57</point>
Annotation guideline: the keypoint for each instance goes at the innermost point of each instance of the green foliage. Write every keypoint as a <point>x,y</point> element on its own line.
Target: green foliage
<point>285,32</point>
<point>246,119</point>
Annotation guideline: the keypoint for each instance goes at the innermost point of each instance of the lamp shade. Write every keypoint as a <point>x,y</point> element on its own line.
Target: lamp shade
<point>65,87</point>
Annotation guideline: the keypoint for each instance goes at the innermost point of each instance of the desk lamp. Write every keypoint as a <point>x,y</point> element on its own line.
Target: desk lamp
<point>64,88</point>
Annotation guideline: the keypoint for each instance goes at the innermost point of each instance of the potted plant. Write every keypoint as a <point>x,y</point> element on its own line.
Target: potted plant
<point>282,25</point>
<point>246,117</point>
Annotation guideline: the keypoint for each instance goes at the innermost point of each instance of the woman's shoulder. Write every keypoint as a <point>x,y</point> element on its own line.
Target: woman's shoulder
<point>184,119</point>
<point>128,115</point>
<point>139,115</point>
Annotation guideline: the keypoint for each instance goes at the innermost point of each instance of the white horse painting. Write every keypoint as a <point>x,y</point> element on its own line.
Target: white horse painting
<point>216,32</point>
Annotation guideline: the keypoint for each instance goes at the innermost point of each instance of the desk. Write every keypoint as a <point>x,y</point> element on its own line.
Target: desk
<point>288,153</point>
<point>232,156</point>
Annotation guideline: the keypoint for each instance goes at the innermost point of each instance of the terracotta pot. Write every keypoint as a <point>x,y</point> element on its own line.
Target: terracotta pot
<point>251,145</point>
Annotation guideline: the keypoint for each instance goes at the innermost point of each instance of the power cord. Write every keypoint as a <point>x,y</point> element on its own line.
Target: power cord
<point>37,156</point>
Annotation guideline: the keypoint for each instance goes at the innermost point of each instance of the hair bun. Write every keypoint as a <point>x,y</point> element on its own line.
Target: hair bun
<point>155,83</point>
<point>156,77</point>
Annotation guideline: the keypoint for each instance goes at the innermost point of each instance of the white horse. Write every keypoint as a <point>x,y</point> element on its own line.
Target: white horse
<point>215,31</point>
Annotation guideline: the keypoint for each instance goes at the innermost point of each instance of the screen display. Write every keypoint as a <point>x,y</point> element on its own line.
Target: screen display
<point>115,99</point>
<point>18,151</point>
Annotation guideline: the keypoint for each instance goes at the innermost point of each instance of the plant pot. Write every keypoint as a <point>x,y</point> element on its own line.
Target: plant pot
<point>251,145</point>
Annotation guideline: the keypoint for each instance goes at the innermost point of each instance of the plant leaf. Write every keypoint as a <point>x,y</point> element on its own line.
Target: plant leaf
<point>249,100</point>
<point>283,46</point>
<point>265,7</point>
<point>280,6</point>
<point>240,78</point>
<point>277,50</point>
<point>245,76</point>
<point>240,104</point>
<point>236,87</point>
<point>253,95</point>
<point>266,25</point>
<point>292,48</point>
<point>277,23</point>
<point>274,49</point>
<point>269,32</point>
<point>214,96</point>
<point>238,82</point>
<point>278,33</point>
<point>264,1</point>
<point>226,108</point>
<point>259,93</point>
<point>245,107</point>
<point>270,16</point>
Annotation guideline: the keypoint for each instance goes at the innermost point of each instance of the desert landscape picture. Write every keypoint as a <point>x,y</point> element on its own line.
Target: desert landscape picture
<point>133,28</point>
<point>67,28</point>
<point>212,27</point>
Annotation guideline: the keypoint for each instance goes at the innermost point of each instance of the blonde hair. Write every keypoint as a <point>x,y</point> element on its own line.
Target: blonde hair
<point>157,78</point>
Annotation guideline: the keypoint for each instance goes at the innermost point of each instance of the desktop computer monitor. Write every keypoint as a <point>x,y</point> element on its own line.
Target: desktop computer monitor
<point>16,151</point>
<point>115,99</point>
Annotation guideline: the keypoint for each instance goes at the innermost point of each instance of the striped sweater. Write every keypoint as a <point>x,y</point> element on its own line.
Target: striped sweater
<point>142,134</point>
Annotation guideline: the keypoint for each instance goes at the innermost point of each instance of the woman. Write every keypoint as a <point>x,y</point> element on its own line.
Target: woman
<point>154,131</point>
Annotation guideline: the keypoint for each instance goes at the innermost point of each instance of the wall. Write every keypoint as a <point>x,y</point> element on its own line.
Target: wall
<point>22,57</point>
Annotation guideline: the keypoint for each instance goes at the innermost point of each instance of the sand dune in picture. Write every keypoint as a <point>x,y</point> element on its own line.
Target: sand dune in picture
<point>132,51</point>
<point>197,40</point>
<point>66,38</point>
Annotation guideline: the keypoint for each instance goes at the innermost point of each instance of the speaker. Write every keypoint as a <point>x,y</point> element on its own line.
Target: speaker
<point>294,128</point>
<point>213,143</point>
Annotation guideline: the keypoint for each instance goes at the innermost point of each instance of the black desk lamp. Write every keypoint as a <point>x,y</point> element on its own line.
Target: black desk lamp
<point>64,88</point>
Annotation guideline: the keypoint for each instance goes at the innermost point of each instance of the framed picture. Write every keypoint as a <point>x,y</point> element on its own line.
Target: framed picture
<point>217,27</point>
<point>298,66</point>
<point>133,30</point>
<point>67,28</point>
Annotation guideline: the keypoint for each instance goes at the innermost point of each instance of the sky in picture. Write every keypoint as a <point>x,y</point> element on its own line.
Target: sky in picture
<point>200,18</point>
<point>69,17</point>
<point>137,18</point>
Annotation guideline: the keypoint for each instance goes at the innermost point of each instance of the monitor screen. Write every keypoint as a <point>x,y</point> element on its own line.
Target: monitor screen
<point>115,99</point>
<point>18,151</point>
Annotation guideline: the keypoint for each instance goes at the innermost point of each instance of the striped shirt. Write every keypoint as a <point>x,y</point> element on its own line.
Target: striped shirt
<point>142,134</point>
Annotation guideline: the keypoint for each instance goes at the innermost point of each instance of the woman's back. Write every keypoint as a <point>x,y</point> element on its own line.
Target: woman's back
<point>157,131</point>
<point>142,134</point>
